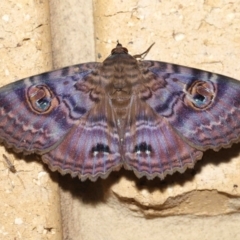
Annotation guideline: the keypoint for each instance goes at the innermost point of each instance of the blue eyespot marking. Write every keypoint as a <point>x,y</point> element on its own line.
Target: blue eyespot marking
<point>43,103</point>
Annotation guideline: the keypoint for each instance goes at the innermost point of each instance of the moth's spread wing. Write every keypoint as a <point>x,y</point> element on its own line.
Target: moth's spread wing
<point>62,116</point>
<point>152,146</point>
<point>202,107</point>
<point>37,112</point>
<point>90,149</point>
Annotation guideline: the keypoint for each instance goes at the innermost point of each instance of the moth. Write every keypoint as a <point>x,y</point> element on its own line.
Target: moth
<point>154,118</point>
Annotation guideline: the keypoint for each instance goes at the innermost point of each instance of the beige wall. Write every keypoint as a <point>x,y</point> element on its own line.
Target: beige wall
<point>200,204</point>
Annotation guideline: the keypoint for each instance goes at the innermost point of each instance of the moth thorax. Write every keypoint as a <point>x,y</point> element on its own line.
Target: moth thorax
<point>120,99</point>
<point>119,83</point>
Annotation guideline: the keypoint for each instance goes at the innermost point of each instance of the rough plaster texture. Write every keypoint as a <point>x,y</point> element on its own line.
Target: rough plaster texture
<point>202,203</point>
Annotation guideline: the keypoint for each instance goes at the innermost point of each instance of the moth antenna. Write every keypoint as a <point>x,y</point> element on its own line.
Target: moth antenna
<point>143,55</point>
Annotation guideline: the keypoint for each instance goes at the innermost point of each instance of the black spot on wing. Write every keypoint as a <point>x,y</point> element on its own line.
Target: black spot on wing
<point>143,147</point>
<point>100,148</point>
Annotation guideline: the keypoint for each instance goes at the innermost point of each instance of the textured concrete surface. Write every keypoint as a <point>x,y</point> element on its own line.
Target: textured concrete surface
<point>202,203</point>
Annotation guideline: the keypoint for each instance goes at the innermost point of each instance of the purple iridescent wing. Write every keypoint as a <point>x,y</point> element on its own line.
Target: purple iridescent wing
<point>55,115</point>
<point>202,107</point>
<point>180,113</point>
<point>90,149</point>
<point>153,148</point>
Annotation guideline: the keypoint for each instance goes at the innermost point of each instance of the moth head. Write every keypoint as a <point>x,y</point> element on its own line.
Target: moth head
<point>119,49</point>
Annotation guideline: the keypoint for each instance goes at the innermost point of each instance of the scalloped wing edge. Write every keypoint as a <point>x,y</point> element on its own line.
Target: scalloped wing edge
<point>166,172</point>
<point>91,177</point>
